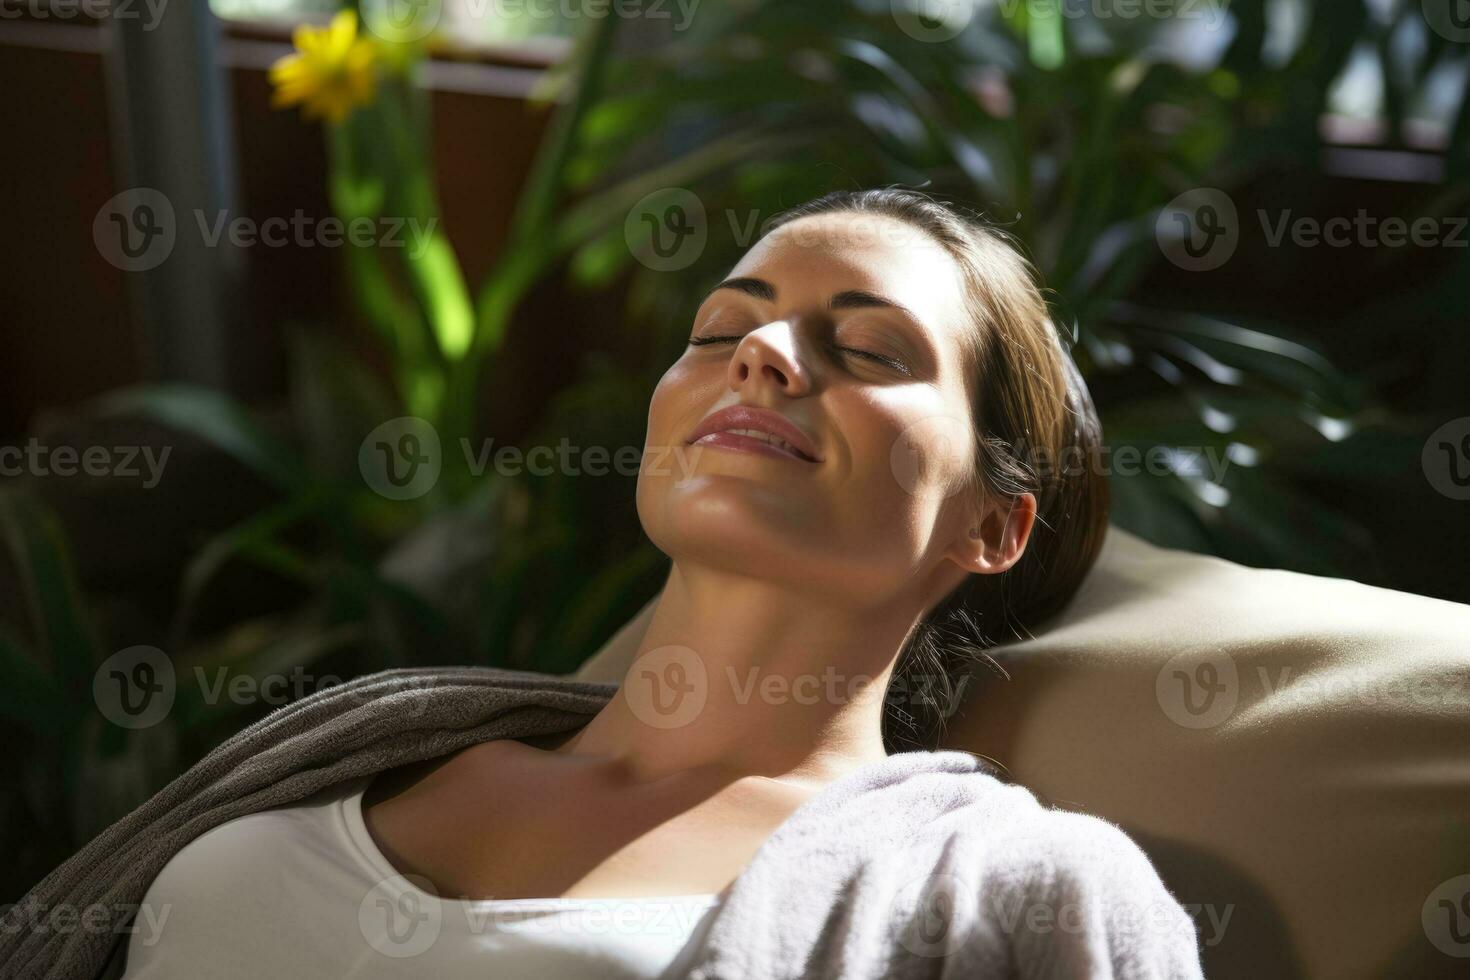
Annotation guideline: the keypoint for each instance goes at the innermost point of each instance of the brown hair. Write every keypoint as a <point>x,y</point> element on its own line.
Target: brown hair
<point>1032,411</point>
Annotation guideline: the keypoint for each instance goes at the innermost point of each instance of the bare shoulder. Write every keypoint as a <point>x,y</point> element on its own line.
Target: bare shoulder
<point>457,771</point>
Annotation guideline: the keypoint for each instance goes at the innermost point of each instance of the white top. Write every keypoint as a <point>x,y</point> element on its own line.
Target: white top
<point>303,891</point>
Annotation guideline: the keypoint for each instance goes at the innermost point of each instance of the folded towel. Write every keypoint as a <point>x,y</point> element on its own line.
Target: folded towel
<point>919,866</point>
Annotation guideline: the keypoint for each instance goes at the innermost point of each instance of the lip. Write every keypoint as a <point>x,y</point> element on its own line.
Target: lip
<point>764,420</point>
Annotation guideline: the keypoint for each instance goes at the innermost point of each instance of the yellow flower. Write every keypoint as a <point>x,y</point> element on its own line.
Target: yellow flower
<point>332,71</point>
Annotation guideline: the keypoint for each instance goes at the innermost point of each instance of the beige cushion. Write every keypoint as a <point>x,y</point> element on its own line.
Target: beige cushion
<point>1292,751</point>
<point>1325,791</point>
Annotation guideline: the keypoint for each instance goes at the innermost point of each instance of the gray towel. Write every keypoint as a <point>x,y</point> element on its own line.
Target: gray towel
<point>920,866</point>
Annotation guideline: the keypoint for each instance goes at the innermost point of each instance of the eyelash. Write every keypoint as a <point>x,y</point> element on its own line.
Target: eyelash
<point>855,351</point>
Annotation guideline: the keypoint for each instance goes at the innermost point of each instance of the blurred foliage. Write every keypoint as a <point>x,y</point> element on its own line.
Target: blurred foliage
<point>1073,133</point>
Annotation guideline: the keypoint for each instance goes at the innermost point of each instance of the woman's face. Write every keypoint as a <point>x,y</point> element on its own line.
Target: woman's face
<point>851,328</point>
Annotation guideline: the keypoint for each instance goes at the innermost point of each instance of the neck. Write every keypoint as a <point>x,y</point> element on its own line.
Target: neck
<point>752,678</point>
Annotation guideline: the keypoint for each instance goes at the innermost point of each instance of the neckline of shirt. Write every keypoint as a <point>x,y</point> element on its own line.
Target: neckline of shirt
<point>349,809</point>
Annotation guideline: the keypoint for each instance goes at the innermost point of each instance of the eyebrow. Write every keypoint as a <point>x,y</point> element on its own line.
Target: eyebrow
<point>758,288</point>
<point>848,299</point>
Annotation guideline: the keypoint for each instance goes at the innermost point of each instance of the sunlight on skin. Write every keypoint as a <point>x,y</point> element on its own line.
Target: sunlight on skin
<point>809,573</point>
<point>790,568</point>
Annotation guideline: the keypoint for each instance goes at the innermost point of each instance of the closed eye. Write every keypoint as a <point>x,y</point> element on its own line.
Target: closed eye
<point>873,356</point>
<point>883,359</point>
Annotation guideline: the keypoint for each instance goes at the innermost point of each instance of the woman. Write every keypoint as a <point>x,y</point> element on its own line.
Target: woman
<point>842,465</point>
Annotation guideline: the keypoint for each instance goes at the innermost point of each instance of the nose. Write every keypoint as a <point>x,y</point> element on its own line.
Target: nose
<point>768,355</point>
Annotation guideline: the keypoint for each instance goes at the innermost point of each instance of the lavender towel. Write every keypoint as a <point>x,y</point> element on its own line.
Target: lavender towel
<point>919,866</point>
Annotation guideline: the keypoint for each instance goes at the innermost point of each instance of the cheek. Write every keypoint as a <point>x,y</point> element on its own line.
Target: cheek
<point>911,448</point>
<point>675,408</point>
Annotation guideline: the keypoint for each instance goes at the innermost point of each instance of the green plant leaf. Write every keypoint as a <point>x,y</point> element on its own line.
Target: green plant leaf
<point>29,695</point>
<point>254,539</point>
<point>218,420</point>
<point>37,549</point>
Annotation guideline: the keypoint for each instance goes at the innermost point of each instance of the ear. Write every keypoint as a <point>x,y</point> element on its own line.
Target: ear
<point>995,538</point>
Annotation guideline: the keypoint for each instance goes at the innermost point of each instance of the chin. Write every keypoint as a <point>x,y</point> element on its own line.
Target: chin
<point>742,526</point>
<point>734,523</point>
